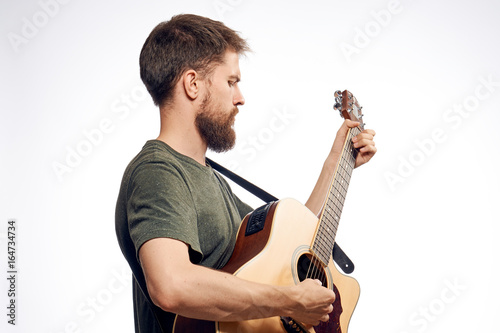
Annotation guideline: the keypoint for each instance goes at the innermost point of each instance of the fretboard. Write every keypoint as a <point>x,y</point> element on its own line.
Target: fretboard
<point>330,216</point>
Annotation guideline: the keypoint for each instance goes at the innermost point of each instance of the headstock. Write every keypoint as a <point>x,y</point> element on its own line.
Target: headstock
<point>348,106</point>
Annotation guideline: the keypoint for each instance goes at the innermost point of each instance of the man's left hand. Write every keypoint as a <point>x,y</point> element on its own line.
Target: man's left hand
<point>365,145</point>
<point>363,142</point>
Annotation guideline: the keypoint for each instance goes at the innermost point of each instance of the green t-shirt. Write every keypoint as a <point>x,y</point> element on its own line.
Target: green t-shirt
<point>167,194</point>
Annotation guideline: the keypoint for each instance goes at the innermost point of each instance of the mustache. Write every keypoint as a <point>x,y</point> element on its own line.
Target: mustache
<point>235,111</point>
<point>232,115</point>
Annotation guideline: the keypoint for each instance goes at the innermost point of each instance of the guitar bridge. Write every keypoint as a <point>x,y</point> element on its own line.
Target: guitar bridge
<point>291,325</point>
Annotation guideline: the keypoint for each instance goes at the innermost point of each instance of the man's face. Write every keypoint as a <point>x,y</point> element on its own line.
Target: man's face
<point>218,109</point>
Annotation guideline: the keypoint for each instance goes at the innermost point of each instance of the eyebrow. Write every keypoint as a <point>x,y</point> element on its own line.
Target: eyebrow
<point>235,77</point>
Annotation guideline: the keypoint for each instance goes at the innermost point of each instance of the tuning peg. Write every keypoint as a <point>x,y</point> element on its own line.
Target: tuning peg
<point>338,93</point>
<point>337,106</point>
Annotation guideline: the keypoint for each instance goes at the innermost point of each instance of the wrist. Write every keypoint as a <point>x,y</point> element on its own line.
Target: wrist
<point>287,301</point>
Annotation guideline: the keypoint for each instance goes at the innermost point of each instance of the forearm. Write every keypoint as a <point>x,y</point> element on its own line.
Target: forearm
<point>176,285</point>
<point>317,198</point>
<point>213,295</point>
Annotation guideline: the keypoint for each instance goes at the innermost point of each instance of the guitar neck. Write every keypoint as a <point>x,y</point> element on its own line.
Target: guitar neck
<point>330,216</point>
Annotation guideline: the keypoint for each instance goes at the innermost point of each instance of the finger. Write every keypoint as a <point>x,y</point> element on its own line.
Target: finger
<point>363,135</point>
<point>369,131</point>
<point>351,123</point>
<point>363,142</point>
<point>345,127</point>
<point>368,149</point>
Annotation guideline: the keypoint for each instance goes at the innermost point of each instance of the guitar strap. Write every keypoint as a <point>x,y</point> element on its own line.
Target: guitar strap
<point>339,256</point>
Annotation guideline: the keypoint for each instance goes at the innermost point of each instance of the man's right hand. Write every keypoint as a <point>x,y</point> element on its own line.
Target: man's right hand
<point>313,302</point>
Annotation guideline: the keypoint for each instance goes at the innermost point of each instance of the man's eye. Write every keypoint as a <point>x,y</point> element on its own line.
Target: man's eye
<point>231,83</point>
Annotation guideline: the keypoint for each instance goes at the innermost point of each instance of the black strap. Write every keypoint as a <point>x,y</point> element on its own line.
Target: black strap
<point>339,255</point>
<point>257,191</point>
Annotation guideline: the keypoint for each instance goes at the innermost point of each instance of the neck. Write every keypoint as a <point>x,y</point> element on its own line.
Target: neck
<point>330,217</point>
<point>180,133</point>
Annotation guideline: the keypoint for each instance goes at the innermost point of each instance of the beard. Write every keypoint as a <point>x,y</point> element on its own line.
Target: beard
<point>216,126</point>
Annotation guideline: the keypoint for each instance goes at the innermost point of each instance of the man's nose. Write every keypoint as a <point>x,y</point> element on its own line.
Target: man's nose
<point>238,98</point>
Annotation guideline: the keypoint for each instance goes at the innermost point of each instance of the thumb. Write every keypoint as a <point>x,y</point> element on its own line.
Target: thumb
<point>351,123</point>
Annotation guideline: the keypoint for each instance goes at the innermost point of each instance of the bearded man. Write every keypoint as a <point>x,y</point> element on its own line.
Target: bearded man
<point>176,218</point>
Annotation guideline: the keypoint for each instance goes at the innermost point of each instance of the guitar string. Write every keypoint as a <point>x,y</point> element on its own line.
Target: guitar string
<point>337,187</point>
<point>313,271</point>
<point>346,165</point>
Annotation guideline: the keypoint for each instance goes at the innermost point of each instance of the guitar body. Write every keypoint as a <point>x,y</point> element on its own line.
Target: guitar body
<point>279,253</point>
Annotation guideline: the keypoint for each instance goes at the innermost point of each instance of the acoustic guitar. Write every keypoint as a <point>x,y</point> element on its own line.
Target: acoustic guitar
<point>283,243</point>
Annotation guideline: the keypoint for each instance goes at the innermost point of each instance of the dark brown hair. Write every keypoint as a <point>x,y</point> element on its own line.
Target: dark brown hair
<point>185,42</point>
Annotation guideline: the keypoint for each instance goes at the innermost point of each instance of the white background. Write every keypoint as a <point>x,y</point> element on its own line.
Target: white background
<point>420,221</point>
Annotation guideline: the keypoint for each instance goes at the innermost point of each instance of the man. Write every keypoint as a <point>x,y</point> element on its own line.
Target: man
<point>177,219</point>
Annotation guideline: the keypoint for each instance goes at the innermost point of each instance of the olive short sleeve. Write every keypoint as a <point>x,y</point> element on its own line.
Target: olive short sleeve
<point>160,205</point>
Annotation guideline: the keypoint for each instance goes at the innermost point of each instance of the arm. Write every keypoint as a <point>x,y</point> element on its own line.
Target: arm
<point>364,142</point>
<point>176,285</point>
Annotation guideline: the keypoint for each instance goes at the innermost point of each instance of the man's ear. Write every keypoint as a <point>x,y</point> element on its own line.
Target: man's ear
<point>191,83</point>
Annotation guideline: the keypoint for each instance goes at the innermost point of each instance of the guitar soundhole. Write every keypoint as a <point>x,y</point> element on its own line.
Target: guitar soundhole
<point>307,269</point>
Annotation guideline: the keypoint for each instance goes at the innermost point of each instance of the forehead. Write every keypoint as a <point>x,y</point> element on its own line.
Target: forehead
<point>230,66</point>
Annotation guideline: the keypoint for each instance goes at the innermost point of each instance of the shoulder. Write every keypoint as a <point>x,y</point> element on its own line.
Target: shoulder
<point>153,152</point>
<point>157,156</point>
<point>155,165</point>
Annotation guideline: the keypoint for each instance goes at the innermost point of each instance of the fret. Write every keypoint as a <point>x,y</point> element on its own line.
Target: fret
<point>330,217</point>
